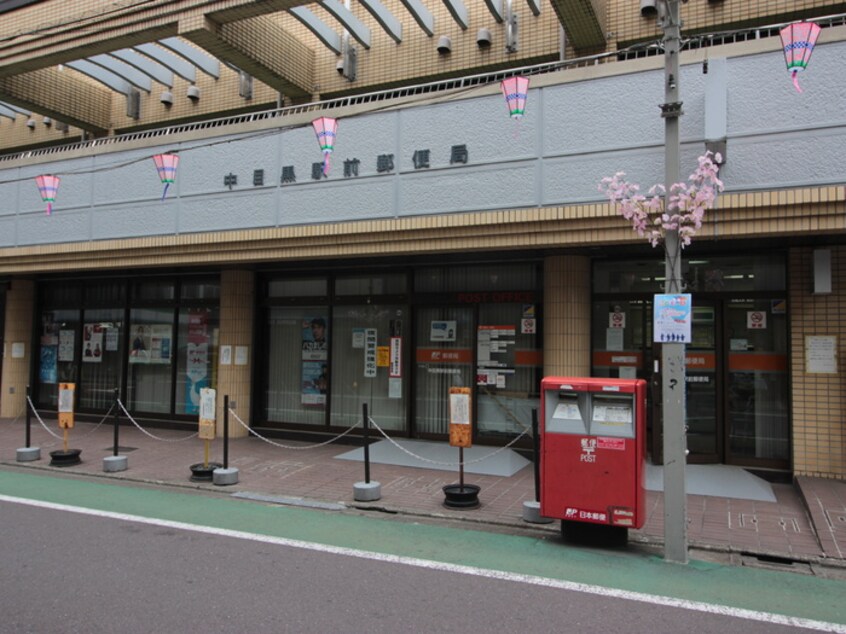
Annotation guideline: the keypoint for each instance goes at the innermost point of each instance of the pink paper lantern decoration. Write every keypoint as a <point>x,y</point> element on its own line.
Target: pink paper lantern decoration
<point>48,185</point>
<point>326,129</point>
<point>798,41</point>
<point>166,167</point>
<point>515,90</point>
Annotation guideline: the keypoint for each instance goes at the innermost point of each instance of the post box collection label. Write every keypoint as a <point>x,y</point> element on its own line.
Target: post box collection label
<point>617,444</point>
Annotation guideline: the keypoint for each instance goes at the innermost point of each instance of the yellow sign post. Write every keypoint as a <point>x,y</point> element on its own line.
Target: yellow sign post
<point>207,419</point>
<point>459,417</point>
<point>65,457</point>
<point>66,400</point>
<point>461,495</point>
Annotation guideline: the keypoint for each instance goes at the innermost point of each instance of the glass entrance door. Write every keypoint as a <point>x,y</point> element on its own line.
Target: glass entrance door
<point>701,360</point>
<point>757,408</point>
<point>444,359</point>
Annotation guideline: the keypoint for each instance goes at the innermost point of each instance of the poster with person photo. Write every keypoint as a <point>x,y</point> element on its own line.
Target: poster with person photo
<point>315,353</point>
<point>92,343</point>
<point>315,339</point>
<point>315,383</point>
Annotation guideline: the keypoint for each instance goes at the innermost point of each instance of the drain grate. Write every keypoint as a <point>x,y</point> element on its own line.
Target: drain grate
<point>775,562</point>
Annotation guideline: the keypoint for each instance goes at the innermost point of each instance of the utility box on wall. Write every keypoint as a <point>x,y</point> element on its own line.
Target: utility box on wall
<point>593,450</point>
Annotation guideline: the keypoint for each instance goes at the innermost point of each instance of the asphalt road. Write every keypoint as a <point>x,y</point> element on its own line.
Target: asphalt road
<point>80,556</point>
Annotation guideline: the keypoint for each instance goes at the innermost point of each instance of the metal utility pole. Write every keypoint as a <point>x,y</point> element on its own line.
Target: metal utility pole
<point>673,354</point>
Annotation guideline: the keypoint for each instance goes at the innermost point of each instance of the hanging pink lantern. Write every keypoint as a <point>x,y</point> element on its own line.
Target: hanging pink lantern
<point>325,128</point>
<point>48,185</point>
<point>166,167</point>
<point>798,41</point>
<point>515,90</point>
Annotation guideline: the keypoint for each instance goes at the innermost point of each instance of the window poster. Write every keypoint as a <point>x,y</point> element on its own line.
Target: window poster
<point>48,371</point>
<point>92,343</point>
<point>315,339</point>
<point>442,331</point>
<point>112,339</point>
<point>315,354</point>
<point>66,342</point>
<point>197,359</point>
<point>315,383</point>
<point>150,343</point>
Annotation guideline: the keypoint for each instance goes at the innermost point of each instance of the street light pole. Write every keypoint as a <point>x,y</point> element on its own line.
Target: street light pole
<point>673,354</point>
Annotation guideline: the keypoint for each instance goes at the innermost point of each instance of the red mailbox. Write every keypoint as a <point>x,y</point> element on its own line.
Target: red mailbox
<point>593,450</point>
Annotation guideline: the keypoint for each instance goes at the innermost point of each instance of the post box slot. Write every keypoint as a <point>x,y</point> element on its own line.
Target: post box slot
<point>612,415</point>
<point>568,412</point>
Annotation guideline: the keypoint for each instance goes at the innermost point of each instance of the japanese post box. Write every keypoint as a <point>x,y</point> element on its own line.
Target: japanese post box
<point>593,441</point>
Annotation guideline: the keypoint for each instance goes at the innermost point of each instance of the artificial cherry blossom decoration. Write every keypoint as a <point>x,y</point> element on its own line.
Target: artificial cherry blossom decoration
<point>686,207</point>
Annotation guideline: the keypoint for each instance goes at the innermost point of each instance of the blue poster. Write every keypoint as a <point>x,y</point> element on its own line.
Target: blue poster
<point>49,370</point>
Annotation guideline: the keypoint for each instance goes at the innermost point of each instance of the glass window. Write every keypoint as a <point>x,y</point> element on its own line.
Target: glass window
<point>362,345</point>
<point>154,290</point>
<point>704,274</point>
<point>492,277</point>
<point>444,359</point>
<point>102,358</point>
<point>61,294</point>
<point>305,287</point>
<point>200,289</point>
<point>298,363</point>
<point>58,349</point>
<point>196,360</point>
<point>508,368</point>
<point>149,379</point>
<point>385,284</point>
<point>105,293</point>
<point>621,333</point>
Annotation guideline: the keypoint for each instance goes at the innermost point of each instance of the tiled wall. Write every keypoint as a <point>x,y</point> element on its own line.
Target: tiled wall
<point>566,318</point>
<point>386,63</point>
<point>627,24</point>
<point>819,399</point>
<point>20,308</point>
<point>237,299</point>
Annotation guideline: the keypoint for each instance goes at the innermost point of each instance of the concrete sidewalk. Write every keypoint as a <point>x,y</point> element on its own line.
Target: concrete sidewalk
<point>804,530</point>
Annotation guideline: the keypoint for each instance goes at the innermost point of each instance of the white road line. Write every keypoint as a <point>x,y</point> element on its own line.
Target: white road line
<point>696,606</point>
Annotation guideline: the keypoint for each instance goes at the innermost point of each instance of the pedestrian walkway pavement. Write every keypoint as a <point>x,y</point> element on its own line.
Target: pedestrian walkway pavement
<point>801,527</point>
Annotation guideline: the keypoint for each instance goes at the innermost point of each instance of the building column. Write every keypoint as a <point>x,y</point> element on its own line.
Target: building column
<point>20,315</point>
<point>237,309</point>
<point>566,310</point>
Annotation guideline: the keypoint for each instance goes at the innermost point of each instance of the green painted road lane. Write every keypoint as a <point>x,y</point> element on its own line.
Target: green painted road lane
<point>789,594</point>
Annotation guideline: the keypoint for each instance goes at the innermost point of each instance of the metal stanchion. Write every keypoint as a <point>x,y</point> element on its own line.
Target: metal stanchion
<point>28,453</point>
<point>366,491</point>
<point>225,475</point>
<point>116,462</point>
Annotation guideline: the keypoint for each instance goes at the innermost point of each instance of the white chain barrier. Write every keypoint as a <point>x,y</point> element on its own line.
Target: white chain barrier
<point>97,426</point>
<point>144,431</point>
<point>447,464</point>
<point>281,446</point>
<point>49,431</point>
<point>38,416</point>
